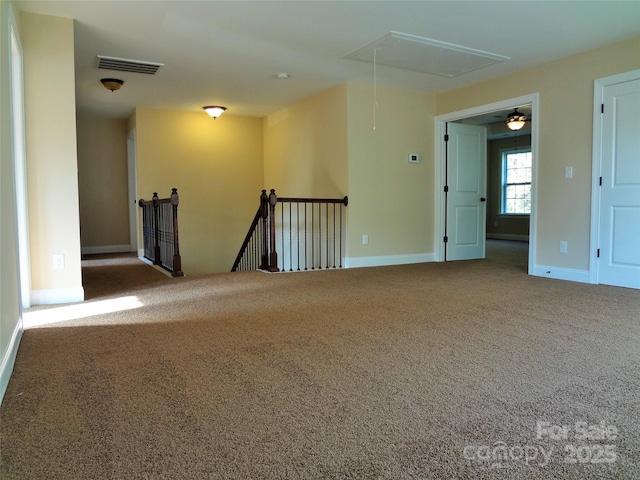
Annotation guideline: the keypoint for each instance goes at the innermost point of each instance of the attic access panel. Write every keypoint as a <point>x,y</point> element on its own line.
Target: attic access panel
<point>411,52</point>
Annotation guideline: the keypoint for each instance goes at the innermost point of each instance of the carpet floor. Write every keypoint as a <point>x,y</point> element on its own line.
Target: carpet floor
<point>457,370</point>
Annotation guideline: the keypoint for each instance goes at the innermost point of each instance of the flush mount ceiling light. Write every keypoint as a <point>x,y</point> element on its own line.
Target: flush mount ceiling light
<point>214,111</point>
<point>112,84</point>
<point>412,52</point>
<point>516,120</point>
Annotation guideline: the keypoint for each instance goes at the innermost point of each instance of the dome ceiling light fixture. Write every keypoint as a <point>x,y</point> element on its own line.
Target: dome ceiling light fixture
<point>214,111</point>
<point>516,120</point>
<point>112,84</point>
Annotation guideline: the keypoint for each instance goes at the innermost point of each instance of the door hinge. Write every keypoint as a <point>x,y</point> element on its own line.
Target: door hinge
<point>600,181</point>
<point>446,137</point>
<point>598,253</point>
<point>445,239</point>
<point>602,108</point>
<point>446,188</point>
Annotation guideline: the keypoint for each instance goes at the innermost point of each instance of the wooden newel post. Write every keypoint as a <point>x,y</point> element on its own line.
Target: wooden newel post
<point>273,255</point>
<point>177,260</point>
<point>156,230</point>
<point>264,215</point>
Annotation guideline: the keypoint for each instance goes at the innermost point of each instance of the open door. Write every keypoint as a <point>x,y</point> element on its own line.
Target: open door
<point>619,208</point>
<point>466,183</point>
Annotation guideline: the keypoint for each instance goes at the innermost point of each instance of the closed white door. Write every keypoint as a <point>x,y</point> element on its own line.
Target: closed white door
<point>619,229</point>
<point>466,196</point>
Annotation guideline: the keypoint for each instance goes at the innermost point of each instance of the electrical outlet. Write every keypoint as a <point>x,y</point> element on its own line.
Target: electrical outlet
<point>58,262</point>
<point>563,247</point>
<point>365,239</point>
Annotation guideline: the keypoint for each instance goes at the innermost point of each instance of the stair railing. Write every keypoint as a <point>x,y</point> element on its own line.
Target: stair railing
<point>252,255</point>
<point>160,232</point>
<point>308,232</point>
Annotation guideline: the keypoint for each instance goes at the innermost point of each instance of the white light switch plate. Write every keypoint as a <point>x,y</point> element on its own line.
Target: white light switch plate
<point>58,262</point>
<point>568,172</point>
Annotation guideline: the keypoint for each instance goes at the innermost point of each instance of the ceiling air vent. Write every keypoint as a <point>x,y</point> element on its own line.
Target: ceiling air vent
<point>127,65</point>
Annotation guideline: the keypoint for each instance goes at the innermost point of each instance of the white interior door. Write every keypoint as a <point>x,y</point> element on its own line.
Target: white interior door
<point>466,196</point>
<point>619,228</point>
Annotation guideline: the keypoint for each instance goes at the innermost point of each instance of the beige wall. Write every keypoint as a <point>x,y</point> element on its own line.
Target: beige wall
<point>565,88</point>
<point>305,147</point>
<point>325,146</point>
<point>10,324</point>
<point>103,181</point>
<point>217,167</point>
<point>51,156</point>
<point>390,199</point>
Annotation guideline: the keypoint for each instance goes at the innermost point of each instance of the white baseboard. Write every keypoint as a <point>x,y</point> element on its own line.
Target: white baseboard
<point>558,273</point>
<point>382,260</point>
<point>106,249</point>
<point>9,358</point>
<point>142,258</point>
<point>508,236</point>
<point>57,295</point>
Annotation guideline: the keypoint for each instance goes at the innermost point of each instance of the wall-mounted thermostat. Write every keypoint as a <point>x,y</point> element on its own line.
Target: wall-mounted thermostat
<point>414,158</point>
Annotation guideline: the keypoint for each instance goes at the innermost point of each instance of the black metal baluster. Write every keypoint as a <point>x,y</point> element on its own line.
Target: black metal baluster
<point>298,232</point>
<point>163,245</point>
<point>340,235</point>
<point>290,239</point>
<point>256,255</point>
<point>320,236</point>
<point>305,235</point>
<point>261,240</point>
<point>283,255</point>
<point>327,232</point>
<point>313,251</point>
<point>249,254</point>
<point>168,238</point>
<point>334,235</point>
<point>156,247</point>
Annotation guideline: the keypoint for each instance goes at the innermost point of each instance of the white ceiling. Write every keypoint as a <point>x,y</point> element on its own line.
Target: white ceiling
<point>229,52</point>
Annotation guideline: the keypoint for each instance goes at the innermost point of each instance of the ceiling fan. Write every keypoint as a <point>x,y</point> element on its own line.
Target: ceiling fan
<point>516,120</point>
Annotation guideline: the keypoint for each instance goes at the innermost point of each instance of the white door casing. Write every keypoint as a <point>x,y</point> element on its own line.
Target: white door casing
<point>616,208</point>
<point>19,161</point>
<point>467,191</point>
<point>440,167</point>
<point>132,182</point>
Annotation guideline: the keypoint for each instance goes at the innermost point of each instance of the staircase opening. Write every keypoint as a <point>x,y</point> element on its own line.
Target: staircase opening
<point>294,234</point>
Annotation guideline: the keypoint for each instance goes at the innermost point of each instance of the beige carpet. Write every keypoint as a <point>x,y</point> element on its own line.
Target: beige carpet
<point>426,371</point>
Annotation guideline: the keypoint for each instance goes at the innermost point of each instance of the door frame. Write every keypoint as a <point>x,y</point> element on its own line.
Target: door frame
<point>599,86</point>
<point>440,166</point>
<point>16,81</point>
<point>132,182</point>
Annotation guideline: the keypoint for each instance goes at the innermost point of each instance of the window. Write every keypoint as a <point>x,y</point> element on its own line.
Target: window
<point>516,182</point>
